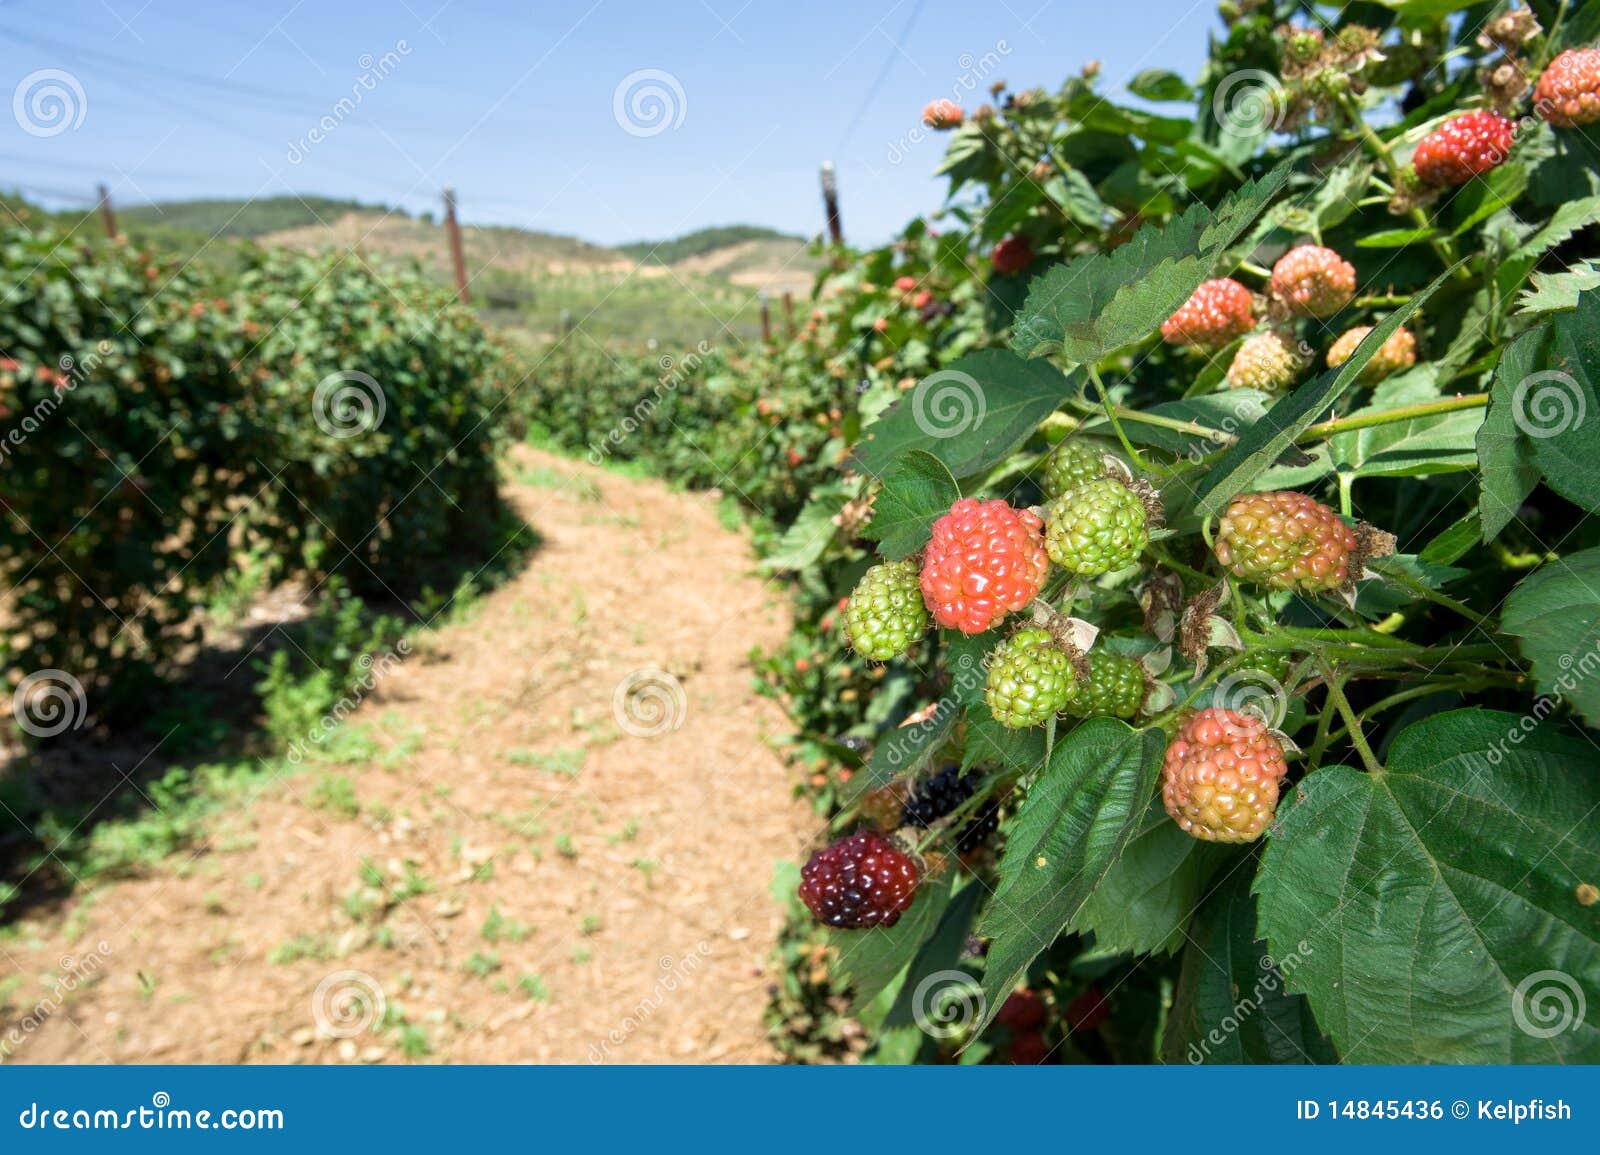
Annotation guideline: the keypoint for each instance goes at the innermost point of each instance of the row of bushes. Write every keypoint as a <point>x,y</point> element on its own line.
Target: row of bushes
<point>158,424</point>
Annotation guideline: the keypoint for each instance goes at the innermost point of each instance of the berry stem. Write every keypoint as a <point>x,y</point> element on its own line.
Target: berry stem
<point>1111,416</point>
<point>1401,578</point>
<point>1342,704</point>
<point>1326,429</point>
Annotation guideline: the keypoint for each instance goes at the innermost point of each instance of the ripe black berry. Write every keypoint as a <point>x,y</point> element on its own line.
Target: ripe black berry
<point>933,798</point>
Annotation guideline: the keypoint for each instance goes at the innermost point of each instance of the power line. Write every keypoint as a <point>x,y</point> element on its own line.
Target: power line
<point>883,75</point>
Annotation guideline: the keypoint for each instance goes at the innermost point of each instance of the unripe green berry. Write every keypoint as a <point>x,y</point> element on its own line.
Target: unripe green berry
<point>1030,679</point>
<point>886,614</point>
<point>1096,528</point>
<point>1114,688</point>
<point>1072,463</point>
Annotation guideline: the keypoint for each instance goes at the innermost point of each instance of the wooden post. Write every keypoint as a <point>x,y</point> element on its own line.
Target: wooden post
<point>788,311</point>
<point>766,319</point>
<point>107,213</point>
<point>830,202</point>
<point>458,258</point>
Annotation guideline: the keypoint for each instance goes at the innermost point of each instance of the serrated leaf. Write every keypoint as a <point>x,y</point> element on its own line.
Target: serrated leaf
<point>1507,472</point>
<point>1444,443</point>
<point>806,539</point>
<point>872,958</point>
<point>1555,292</point>
<point>938,962</point>
<point>1099,303</point>
<point>1005,398</point>
<point>1435,908</point>
<point>1231,1005</point>
<point>1451,543</point>
<point>1079,816</point>
<point>1556,613</point>
<point>1486,196</point>
<point>990,743</point>
<point>1260,446</point>
<point>1559,407</point>
<point>1144,901</point>
<point>902,751</point>
<point>917,488</point>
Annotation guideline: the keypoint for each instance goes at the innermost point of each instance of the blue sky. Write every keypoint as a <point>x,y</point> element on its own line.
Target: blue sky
<point>516,105</point>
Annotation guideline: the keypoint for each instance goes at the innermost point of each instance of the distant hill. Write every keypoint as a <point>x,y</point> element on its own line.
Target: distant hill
<point>699,242</point>
<point>238,218</point>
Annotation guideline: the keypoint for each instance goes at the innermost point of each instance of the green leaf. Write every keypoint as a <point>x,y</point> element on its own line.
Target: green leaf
<point>1260,446</point>
<point>902,751</point>
<point>1559,407</point>
<point>1507,473</point>
<point>1099,303</point>
<point>1554,292</point>
<point>1079,816</point>
<point>969,415</point>
<point>1159,84</point>
<point>988,742</point>
<point>1395,238</point>
<point>1486,196</point>
<point>808,537</point>
<point>1143,903</point>
<point>1556,613</point>
<point>872,958</point>
<point>917,488</point>
<point>1451,543</point>
<point>1231,1005</point>
<point>1425,11</point>
<point>1434,908</point>
<point>1445,443</point>
<point>933,972</point>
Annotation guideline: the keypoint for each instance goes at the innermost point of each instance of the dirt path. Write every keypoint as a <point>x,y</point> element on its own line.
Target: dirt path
<point>508,870</point>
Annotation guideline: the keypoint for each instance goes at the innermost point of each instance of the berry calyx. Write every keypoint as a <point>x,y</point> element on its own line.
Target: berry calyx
<point>1221,774</point>
<point>1312,281</point>
<point>1096,528</point>
<point>1266,362</point>
<point>1216,313</point>
<point>1011,255</point>
<point>1568,93</point>
<point>942,114</point>
<point>985,560</point>
<point>1287,541</point>
<point>1463,147</point>
<point>860,881</point>
<point>1030,680</point>
<point>886,615</point>
<point>1397,353</point>
<point>1070,464</point>
<point>1113,688</point>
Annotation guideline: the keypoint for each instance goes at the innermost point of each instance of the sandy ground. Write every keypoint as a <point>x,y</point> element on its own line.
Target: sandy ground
<point>533,876</point>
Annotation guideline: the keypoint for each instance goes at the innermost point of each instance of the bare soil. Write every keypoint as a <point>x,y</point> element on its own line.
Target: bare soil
<point>514,876</point>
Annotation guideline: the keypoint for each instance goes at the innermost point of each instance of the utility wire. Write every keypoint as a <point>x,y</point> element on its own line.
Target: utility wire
<point>883,75</point>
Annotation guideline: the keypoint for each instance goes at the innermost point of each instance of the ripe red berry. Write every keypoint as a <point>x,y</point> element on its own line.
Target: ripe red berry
<point>860,881</point>
<point>1028,1049</point>
<point>905,284</point>
<point>1087,1011</point>
<point>1220,776</point>
<point>1313,281</point>
<point>1463,147</point>
<point>985,560</point>
<point>943,113</point>
<point>1285,540</point>
<point>1011,255</point>
<point>1023,1010</point>
<point>1216,313</point>
<point>1568,94</point>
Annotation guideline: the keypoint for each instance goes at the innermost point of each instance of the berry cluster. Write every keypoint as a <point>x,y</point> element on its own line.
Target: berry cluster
<point>1215,314</point>
<point>1266,362</point>
<point>1568,93</point>
<point>1399,352</point>
<point>985,560</point>
<point>1285,540</point>
<point>1463,147</point>
<point>860,881</point>
<point>1311,281</point>
<point>1031,679</point>
<point>1220,776</point>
